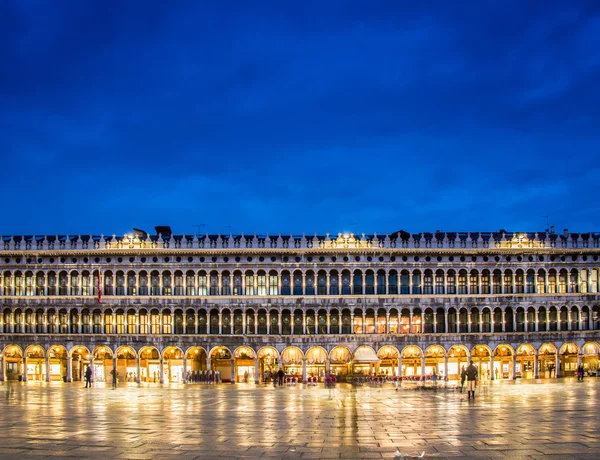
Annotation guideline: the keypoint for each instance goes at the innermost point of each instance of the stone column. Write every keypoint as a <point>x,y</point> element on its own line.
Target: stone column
<point>161,379</point>
<point>399,370</point>
<point>387,322</point>
<point>24,368</point>
<point>69,368</point>
<point>557,365</point>
<point>304,323</point>
<point>327,366</point>
<point>138,379</point>
<point>492,376</point>
<point>536,366</point>
<point>256,372</point>
<point>328,323</point>
<point>292,323</point>
<point>446,366</point>
<point>423,365</point>
<point>364,323</point>
<point>220,323</point>
<point>304,370</point>
<point>184,376</point>
<point>268,323</point>
<point>208,361</point>
<point>2,372</point>
<point>47,366</point>
<point>232,371</point>
<point>514,366</point>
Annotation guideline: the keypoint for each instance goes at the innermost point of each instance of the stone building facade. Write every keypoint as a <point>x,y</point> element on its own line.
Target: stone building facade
<point>167,308</point>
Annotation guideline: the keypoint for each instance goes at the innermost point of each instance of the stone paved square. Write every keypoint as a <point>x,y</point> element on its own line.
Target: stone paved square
<point>517,420</point>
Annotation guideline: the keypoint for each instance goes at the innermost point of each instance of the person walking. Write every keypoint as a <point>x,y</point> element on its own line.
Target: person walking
<point>280,375</point>
<point>580,373</point>
<point>114,378</point>
<point>471,372</point>
<point>88,377</point>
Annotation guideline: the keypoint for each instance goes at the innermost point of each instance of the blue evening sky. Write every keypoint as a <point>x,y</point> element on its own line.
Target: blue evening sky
<point>299,117</point>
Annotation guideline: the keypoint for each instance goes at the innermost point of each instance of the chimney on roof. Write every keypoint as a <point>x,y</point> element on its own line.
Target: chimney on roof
<point>566,232</point>
<point>552,229</point>
<point>163,230</point>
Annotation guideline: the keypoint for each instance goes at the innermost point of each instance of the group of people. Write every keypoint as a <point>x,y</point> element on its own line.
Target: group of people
<point>204,376</point>
<point>470,375</point>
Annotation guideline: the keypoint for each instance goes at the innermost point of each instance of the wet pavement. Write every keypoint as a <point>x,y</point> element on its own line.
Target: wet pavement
<point>520,420</point>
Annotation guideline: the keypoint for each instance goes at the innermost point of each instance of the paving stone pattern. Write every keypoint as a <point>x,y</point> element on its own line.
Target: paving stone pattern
<point>508,420</point>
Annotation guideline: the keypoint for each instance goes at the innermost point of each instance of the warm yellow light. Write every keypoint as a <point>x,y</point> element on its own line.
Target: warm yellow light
<point>196,351</point>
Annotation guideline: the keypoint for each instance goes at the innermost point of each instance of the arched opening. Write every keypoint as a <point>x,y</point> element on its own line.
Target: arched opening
<point>244,364</point>
<point>268,364</point>
<point>315,363</point>
<point>220,362</point>
<point>196,362</point>
<point>340,360</point>
<point>126,364</point>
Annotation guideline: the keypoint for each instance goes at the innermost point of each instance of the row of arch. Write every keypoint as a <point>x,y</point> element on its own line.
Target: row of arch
<point>298,282</point>
<point>298,321</point>
<point>172,363</point>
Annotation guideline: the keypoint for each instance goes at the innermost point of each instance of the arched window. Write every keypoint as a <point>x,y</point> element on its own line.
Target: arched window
<point>225,283</point>
<point>334,288</point>
<point>451,282</point>
<point>250,282</point>
<point>167,322</point>
<point>462,281</point>
<point>237,283</point>
<point>428,282</point>
<point>298,283</point>
<point>393,282</point>
<point>562,281</point>
<point>509,325</point>
<point>520,320</point>
<point>369,282</point>
<point>310,283</point>
<point>214,283</point>
<point>273,283</point>
<point>416,286</point>
<point>439,282</point>
<point>286,283</point>
<point>261,282</point>
<point>508,282</point>
<point>381,282</point>
<point>144,322</point>
<point>322,283</point>
<point>143,288</point>
<point>358,285</point>
<point>519,282</point>
<point>485,282</point>
<point>574,281</point>
<point>542,319</point>
<point>475,320</point>
<point>552,281</point>
<point>474,282</point>
<point>452,321</point>
<point>429,320</point>
<point>530,282</point>
<point>440,321</point>
<point>541,281</point>
<point>574,319</point>
<point>178,288</point>
<point>404,282</point>
<point>486,320</point>
<point>190,283</point>
<point>497,282</point>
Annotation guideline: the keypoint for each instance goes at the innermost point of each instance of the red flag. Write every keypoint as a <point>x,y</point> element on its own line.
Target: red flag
<point>99,287</point>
